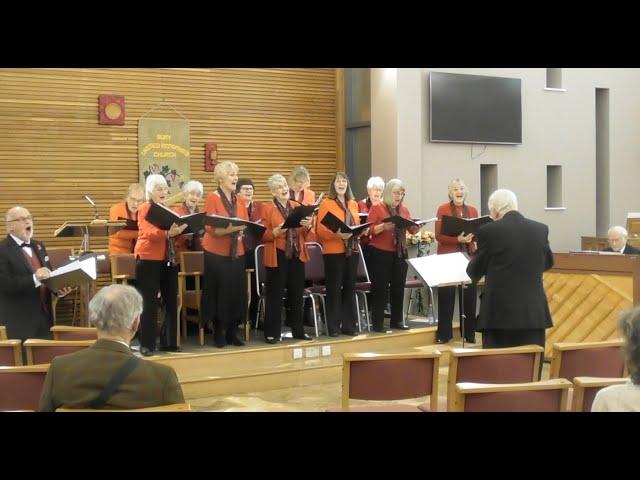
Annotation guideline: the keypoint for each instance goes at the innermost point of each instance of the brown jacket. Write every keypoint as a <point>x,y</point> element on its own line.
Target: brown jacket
<point>76,379</point>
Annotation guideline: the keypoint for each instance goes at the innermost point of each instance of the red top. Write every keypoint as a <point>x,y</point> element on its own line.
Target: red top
<point>273,218</point>
<point>447,244</point>
<point>221,245</point>
<point>384,240</point>
<point>152,241</point>
<point>331,242</point>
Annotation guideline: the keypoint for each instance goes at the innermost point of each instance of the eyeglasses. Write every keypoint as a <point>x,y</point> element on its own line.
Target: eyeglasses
<point>21,219</point>
<point>137,200</point>
<point>398,192</point>
<point>247,189</point>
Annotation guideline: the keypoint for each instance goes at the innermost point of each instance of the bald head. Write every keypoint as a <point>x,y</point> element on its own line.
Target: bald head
<point>19,223</point>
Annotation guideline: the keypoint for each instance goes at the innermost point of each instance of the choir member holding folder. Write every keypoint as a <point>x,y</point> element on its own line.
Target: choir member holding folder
<point>193,191</point>
<point>388,254</point>
<point>285,254</point>
<point>224,298</point>
<point>375,186</point>
<point>464,242</point>
<point>124,240</point>
<point>340,252</point>
<point>157,269</point>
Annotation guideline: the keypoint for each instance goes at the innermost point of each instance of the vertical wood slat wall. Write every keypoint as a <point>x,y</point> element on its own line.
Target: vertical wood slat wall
<point>53,151</point>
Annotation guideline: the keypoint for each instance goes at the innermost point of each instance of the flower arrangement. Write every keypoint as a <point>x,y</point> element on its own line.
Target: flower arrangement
<point>171,175</point>
<point>423,240</point>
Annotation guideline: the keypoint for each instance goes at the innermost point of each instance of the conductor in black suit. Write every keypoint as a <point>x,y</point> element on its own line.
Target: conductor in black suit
<point>25,303</point>
<point>513,252</point>
<point>618,242</point>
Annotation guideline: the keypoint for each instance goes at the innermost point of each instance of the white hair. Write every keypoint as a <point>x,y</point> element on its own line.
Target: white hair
<point>114,308</point>
<point>502,201</point>
<point>375,182</point>
<point>618,229</point>
<point>193,186</point>
<point>276,180</point>
<point>152,182</point>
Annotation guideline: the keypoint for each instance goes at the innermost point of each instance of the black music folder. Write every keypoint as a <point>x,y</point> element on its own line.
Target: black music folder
<point>401,222</point>
<point>219,221</point>
<point>454,226</point>
<point>163,217</point>
<point>131,224</point>
<point>298,214</point>
<point>334,224</point>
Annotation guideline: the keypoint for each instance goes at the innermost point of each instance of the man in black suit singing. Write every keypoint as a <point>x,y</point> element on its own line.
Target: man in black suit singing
<point>25,303</point>
<point>513,251</point>
<point>618,242</point>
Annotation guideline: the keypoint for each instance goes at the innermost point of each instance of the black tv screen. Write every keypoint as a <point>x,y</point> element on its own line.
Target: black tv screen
<point>474,108</point>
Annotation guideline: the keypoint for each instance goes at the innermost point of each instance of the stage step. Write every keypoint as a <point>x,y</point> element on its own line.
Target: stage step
<point>208,371</point>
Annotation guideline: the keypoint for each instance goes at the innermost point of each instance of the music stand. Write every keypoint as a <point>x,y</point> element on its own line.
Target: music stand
<point>446,270</point>
<point>86,230</point>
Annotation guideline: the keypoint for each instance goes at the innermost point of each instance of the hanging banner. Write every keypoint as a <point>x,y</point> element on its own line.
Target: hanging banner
<point>163,148</point>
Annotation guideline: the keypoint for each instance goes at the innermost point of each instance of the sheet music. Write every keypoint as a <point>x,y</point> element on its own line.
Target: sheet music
<point>441,270</point>
<point>88,265</point>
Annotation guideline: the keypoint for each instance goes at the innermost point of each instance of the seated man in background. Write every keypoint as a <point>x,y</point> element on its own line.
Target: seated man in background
<point>124,240</point>
<point>618,241</point>
<point>108,375</point>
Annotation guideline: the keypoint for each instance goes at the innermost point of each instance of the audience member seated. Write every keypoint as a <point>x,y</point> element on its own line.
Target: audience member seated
<point>618,241</point>
<point>107,374</point>
<point>626,397</point>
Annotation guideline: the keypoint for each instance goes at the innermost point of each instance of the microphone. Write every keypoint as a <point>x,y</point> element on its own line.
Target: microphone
<point>95,209</point>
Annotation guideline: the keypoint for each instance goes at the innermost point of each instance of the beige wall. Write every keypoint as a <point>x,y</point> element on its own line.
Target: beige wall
<point>558,129</point>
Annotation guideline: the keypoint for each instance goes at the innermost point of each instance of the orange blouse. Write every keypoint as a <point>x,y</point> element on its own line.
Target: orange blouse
<point>271,219</point>
<point>152,241</point>
<point>331,242</point>
<point>221,245</point>
<point>122,241</point>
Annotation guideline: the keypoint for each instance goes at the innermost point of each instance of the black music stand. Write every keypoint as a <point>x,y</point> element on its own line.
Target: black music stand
<point>446,270</point>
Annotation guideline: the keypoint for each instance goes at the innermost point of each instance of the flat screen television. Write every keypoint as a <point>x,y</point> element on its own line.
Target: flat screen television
<point>474,109</point>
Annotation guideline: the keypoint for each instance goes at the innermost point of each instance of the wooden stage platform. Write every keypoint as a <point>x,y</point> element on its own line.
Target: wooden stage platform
<point>206,371</point>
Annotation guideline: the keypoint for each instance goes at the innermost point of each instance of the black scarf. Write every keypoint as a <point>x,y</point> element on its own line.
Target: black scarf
<point>291,244</point>
<point>231,209</point>
<point>351,244</point>
<point>399,234</point>
<point>368,203</point>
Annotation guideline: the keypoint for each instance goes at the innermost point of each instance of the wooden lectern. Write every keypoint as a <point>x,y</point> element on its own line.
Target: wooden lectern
<point>86,230</point>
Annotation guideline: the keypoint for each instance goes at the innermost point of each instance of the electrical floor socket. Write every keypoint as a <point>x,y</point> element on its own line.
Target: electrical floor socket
<point>312,352</point>
<point>297,353</point>
<point>326,350</point>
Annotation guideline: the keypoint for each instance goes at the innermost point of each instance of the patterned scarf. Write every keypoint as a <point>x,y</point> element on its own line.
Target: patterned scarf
<point>399,234</point>
<point>291,244</point>
<point>351,244</point>
<point>231,209</point>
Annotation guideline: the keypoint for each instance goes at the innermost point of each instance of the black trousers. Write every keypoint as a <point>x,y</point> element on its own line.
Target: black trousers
<point>224,297</point>
<point>446,297</point>
<point>288,274</point>
<point>154,275</point>
<point>514,338</point>
<point>388,277</point>
<point>253,306</point>
<point>340,275</point>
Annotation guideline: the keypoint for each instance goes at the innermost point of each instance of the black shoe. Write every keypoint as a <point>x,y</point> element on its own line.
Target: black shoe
<point>440,341</point>
<point>220,343</point>
<point>145,352</point>
<point>470,340</point>
<point>334,334</point>
<point>379,329</point>
<point>304,336</point>
<point>170,348</point>
<point>349,333</point>
<point>236,342</point>
<point>400,327</point>
<point>272,340</point>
